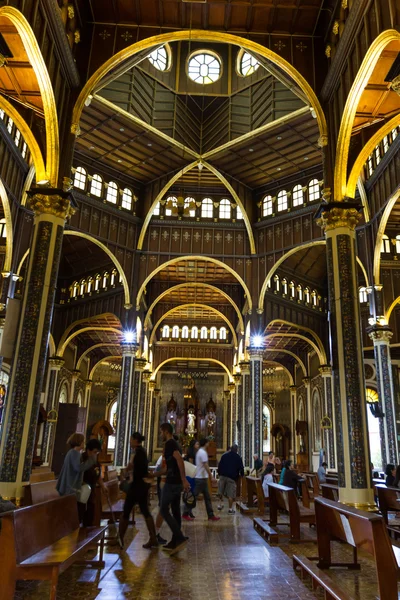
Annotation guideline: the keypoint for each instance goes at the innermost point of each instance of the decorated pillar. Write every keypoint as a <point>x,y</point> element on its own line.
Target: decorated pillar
<point>150,417</point>
<point>339,220</point>
<point>51,208</point>
<point>328,417</point>
<point>138,394</point>
<point>293,417</point>
<point>245,417</point>
<point>309,412</point>
<point>237,378</point>
<point>381,336</point>
<point>55,364</point>
<point>143,398</point>
<point>231,422</point>
<point>88,391</point>
<point>256,398</point>
<point>124,411</point>
<point>74,379</point>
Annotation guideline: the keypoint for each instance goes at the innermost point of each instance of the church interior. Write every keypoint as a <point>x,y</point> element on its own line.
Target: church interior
<point>146,278</point>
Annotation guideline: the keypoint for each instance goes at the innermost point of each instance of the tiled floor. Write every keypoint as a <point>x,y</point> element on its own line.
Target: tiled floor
<point>226,560</point>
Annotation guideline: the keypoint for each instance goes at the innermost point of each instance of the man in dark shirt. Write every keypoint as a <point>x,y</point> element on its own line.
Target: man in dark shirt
<point>171,494</point>
<point>92,477</point>
<point>230,467</point>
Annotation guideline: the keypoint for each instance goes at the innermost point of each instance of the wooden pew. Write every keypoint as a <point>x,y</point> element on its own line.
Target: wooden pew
<point>313,483</point>
<point>284,498</point>
<point>319,579</point>
<point>254,488</point>
<point>306,497</point>
<point>110,473</point>
<point>42,541</point>
<point>242,506</point>
<point>332,479</point>
<point>102,507</point>
<point>389,500</point>
<point>364,531</point>
<point>40,492</point>
<point>329,491</point>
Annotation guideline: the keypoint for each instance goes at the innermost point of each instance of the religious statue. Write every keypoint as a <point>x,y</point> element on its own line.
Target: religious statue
<point>191,421</point>
<point>171,412</point>
<point>211,418</point>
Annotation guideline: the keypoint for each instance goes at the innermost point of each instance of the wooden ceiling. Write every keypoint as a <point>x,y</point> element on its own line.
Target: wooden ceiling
<point>194,314</point>
<point>99,334</point>
<point>287,341</point>
<point>72,265</point>
<point>258,16</point>
<point>200,295</point>
<point>309,263</point>
<point>17,78</point>
<point>378,101</point>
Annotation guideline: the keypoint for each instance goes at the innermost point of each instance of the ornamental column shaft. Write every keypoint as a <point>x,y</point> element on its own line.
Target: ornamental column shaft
<point>293,396</point>
<point>384,377</point>
<point>329,433</point>
<point>339,221</point>
<point>244,414</point>
<point>309,412</point>
<point>55,364</point>
<point>124,410</point>
<point>51,209</point>
<point>256,365</point>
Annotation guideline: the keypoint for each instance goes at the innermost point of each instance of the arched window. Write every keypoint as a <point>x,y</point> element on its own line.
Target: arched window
<point>239,214</point>
<point>277,283</point>
<point>394,134</point>
<point>377,154</point>
<point>89,284</point>
<point>189,207</point>
<point>171,205</point>
<point>165,331</point>
<point>267,206</point>
<point>300,292</point>
<point>112,418</point>
<point>185,331</point>
<point>159,59</point>
<point>370,165</point>
<point>112,192</point>
<point>385,144</point>
<point>284,287</point>
<point>204,68</point>
<point>74,289</point>
<point>222,333</point>
<point>314,298</point>
<point>317,417</point>
<point>175,331</point>
<point>156,210</point>
<point>213,333</point>
<point>126,199</point>
<point>2,114</point>
<point>282,200</point>
<point>10,124</point>
<point>397,244</point>
<point>24,149</point>
<point>247,64</point>
<point>224,209</point>
<point>203,333</point>
<point>113,277</point>
<point>82,287</point>
<point>3,229</point>
<point>207,208</point>
<point>362,294</point>
<point>80,178</point>
<point>385,247</point>
<point>96,188</point>
<point>17,137</point>
<point>105,279</point>
<point>97,282</point>
<point>194,333</point>
<point>307,295</point>
<point>266,417</point>
<point>292,288</point>
<point>63,397</point>
<point>298,196</point>
<point>313,190</point>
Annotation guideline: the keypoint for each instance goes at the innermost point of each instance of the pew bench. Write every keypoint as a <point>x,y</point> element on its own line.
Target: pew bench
<point>329,491</point>
<point>319,579</point>
<point>254,489</point>
<point>102,507</point>
<point>34,493</point>
<point>242,506</point>
<point>41,541</point>
<point>362,530</point>
<point>284,498</point>
<point>389,500</point>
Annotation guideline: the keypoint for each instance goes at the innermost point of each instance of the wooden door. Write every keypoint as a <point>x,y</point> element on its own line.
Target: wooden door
<point>67,424</point>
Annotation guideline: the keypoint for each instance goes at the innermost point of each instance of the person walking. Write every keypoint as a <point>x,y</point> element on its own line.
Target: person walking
<point>138,492</point>
<point>70,479</point>
<point>230,468</point>
<point>202,476</point>
<point>175,482</point>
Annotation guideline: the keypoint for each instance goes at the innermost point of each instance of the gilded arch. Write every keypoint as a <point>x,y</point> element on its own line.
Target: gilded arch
<point>99,362</point>
<point>302,328</point>
<point>63,345</point>
<point>298,359</point>
<point>173,261</point>
<point>380,233</point>
<point>89,350</point>
<point>9,228</point>
<point>191,359</point>
<point>321,354</point>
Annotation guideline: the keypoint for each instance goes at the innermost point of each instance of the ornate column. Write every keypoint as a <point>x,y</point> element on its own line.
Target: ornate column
<point>329,434</point>
<point>51,209</point>
<point>55,364</point>
<point>88,391</point>
<point>292,451</point>
<point>228,416</point>
<point>138,394</point>
<point>151,412</point>
<point>381,336</point>
<point>339,220</point>
<point>309,412</point>
<point>144,386</point>
<point>124,411</point>
<point>237,403</point>
<point>256,365</point>
<point>245,417</point>
<point>74,379</point>
<point>231,422</point>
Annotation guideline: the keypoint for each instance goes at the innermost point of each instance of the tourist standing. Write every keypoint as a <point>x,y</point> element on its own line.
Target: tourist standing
<point>230,468</point>
<point>93,478</point>
<point>71,476</point>
<point>174,484</point>
<point>258,463</point>
<point>202,476</point>
<point>138,491</point>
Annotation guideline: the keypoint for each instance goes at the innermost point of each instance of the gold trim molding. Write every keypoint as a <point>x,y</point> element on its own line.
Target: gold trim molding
<point>57,206</point>
<point>339,217</point>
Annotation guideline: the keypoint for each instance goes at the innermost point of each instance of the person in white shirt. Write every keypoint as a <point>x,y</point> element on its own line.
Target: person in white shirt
<point>201,478</point>
<point>267,477</point>
<point>322,472</point>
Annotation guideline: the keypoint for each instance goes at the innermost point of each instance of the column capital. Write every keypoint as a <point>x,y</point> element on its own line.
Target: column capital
<point>245,367</point>
<point>76,373</point>
<point>380,334</point>
<point>339,214</point>
<point>237,378</point>
<point>325,370</point>
<point>129,349</point>
<point>140,364</point>
<point>88,383</point>
<point>256,353</point>
<point>232,388</point>
<point>146,375</point>
<point>227,394</point>
<point>307,380</point>
<point>152,385</point>
<point>51,201</point>
<point>293,388</point>
<point>56,362</point>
